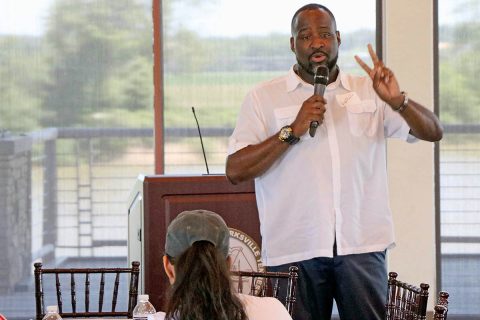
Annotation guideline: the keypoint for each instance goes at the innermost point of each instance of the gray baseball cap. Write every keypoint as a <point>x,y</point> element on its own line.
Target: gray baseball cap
<point>196,225</point>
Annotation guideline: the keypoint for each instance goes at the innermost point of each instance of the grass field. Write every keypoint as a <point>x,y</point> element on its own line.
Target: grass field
<point>216,96</point>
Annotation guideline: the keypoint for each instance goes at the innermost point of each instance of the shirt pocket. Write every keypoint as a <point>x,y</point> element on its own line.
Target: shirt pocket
<point>361,118</point>
<point>285,116</point>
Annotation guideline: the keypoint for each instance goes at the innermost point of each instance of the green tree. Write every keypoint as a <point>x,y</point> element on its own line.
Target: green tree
<point>20,68</point>
<point>458,100</point>
<point>459,66</point>
<point>93,51</point>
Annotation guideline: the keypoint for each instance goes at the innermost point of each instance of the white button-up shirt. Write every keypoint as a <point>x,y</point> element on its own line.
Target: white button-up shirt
<point>331,186</point>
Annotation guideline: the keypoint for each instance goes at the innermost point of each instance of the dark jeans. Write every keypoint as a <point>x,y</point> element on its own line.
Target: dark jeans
<point>357,282</point>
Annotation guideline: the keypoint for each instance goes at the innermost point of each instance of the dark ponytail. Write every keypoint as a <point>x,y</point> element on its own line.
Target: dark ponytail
<point>202,289</point>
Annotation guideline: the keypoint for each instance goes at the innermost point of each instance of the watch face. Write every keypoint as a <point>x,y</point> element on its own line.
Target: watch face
<point>285,133</point>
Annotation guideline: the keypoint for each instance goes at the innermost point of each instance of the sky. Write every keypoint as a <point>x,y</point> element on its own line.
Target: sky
<point>23,17</point>
<point>229,18</point>
<point>232,17</point>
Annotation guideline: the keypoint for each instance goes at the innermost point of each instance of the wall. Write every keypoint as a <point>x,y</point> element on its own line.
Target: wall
<point>408,51</point>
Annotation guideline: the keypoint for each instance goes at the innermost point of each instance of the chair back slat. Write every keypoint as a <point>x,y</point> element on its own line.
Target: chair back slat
<point>252,286</point>
<point>410,304</point>
<point>115,292</point>
<point>240,284</point>
<point>411,307</point>
<point>291,289</point>
<point>398,302</point>
<point>402,301</point>
<point>87,292</point>
<point>131,274</point>
<point>39,304</point>
<point>58,287</point>
<point>405,301</point>
<point>275,288</point>
<point>73,292</point>
<point>268,284</point>
<point>264,289</point>
<point>133,291</point>
<point>101,291</point>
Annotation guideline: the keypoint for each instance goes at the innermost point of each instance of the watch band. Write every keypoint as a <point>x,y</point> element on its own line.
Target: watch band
<point>292,140</point>
<point>404,105</point>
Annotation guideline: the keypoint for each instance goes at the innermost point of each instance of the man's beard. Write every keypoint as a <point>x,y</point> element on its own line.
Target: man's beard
<point>311,68</point>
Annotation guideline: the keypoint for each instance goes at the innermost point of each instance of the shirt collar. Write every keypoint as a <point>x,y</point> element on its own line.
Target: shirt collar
<point>344,80</point>
<point>294,81</point>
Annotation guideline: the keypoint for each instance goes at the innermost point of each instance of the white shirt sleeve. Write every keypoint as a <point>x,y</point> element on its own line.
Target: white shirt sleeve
<point>250,128</point>
<point>395,126</point>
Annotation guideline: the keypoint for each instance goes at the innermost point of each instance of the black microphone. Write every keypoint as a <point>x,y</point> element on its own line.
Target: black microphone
<point>320,81</point>
<point>201,140</point>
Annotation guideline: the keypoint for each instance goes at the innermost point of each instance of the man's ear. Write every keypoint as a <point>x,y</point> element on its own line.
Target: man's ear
<point>339,40</point>
<point>169,269</point>
<point>292,44</point>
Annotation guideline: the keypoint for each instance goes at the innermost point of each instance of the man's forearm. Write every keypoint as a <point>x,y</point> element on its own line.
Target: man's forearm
<point>423,123</point>
<point>252,161</point>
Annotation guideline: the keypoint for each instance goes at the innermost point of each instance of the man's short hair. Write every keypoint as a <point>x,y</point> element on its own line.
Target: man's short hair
<point>310,7</point>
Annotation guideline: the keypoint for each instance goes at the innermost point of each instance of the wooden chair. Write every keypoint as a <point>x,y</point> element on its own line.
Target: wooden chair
<point>107,277</point>
<point>271,284</point>
<point>442,301</point>
<point>405,301</point>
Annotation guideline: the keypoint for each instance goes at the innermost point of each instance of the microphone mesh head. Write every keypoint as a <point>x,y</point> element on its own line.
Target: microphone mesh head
<point>321,75</point>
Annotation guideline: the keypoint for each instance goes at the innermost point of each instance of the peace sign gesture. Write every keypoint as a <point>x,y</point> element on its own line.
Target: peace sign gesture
<point>384,82</point>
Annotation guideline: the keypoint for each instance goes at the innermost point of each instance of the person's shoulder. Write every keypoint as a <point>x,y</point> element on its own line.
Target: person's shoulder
<point>271,83</point>
<point>264,308</point>
<point>254,299</point>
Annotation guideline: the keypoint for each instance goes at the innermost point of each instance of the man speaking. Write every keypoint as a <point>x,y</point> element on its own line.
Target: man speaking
<point>323,197</point>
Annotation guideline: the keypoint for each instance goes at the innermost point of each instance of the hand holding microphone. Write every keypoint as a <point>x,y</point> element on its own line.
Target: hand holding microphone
<point>320,81</point>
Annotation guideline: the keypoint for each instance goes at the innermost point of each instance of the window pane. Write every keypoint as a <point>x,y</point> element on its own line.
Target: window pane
<point>215,51</point>
<point>459,58</point>
<point>76,123</point>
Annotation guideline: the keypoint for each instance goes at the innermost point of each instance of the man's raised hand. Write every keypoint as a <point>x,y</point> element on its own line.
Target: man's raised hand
<point>384,81</point>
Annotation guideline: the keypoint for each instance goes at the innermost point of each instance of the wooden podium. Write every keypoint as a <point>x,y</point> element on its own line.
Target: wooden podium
<point>156,200</point>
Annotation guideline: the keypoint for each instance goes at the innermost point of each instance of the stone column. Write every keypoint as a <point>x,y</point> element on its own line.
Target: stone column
<point>15,210</point>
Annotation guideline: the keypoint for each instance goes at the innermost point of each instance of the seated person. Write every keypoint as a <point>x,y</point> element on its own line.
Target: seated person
<point>197,264</point>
